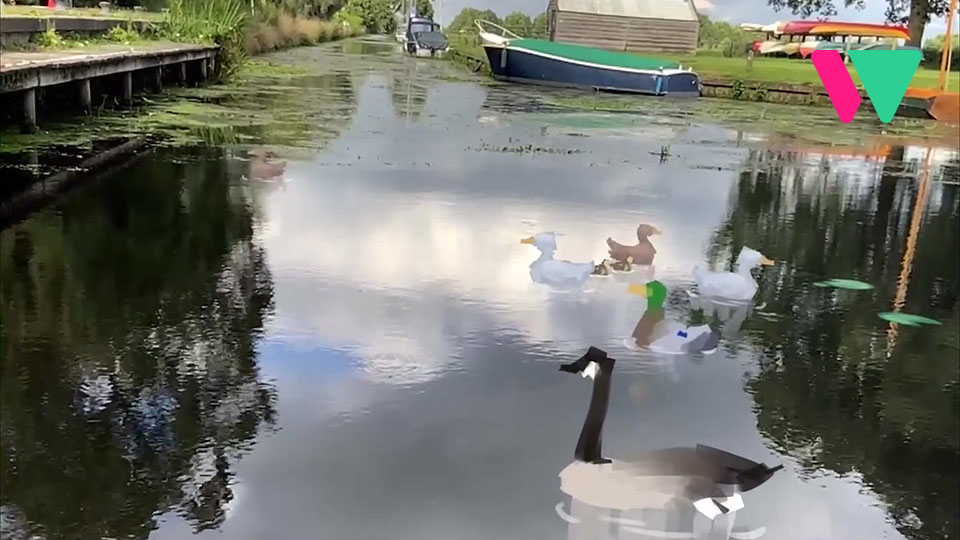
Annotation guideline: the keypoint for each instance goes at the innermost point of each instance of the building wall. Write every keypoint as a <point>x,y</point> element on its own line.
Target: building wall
<point>552,20</point>
<point>626,33</point>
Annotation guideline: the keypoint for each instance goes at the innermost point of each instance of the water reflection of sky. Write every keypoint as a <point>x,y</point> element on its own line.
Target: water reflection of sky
<point>415,362</point>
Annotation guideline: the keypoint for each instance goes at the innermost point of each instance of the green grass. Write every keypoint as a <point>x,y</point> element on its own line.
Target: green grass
<point>765,70</point>
<point>33,11</point>
<point>466,44</point>
<point>787,71</point>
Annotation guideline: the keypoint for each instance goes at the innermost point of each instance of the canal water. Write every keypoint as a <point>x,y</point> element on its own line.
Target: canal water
<point>323,325</point>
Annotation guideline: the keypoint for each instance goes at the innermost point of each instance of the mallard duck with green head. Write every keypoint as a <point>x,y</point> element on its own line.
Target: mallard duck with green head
<point>653,331</point>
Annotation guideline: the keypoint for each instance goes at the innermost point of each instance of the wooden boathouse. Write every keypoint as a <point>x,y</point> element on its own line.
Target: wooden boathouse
<point>625,25</point>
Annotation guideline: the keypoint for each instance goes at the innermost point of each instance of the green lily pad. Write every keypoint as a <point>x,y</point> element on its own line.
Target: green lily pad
<point>851,284</point>
<point>907,319</point>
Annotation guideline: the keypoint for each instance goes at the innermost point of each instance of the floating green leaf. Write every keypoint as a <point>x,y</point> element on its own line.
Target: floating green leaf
<point>907,319</point>
<point>845,284</point>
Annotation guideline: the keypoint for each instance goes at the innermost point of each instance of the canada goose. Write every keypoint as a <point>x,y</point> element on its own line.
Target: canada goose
<point>711,479</point>
<point>738,285</point>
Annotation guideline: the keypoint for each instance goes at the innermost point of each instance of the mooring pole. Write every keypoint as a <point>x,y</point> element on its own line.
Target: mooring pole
<point>128,87</point>
<point>85,100</point>
<point>29,124</point>
<point>156,79</point>
<point>947,54</point>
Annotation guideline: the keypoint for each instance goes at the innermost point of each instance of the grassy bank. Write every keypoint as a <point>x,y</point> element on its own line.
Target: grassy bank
<point>41,12</point>
<point>764,70</point>
<point>785,71</point>
<point>231,24</point>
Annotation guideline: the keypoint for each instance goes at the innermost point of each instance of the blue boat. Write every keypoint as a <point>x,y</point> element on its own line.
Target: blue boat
<point>537,61</point>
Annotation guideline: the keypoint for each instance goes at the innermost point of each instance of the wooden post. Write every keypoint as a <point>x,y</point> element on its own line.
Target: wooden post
<point>127,87</point>
<point>203,70</point>
<point>947,48</point>
<point>213,66</point>
<point>85,101</point>
<point>29,124</point>
<point>156,79</point>
<point>183,73</point>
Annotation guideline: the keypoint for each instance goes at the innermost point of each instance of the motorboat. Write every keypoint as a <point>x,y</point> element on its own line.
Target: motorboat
<point>423,37</point>
<point>552,63</point>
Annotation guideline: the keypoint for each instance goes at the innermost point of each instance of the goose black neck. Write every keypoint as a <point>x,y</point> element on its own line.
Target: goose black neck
<point>589,443</point>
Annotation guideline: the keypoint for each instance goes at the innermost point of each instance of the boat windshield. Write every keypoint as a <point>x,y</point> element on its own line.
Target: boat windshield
<point>417,27</point>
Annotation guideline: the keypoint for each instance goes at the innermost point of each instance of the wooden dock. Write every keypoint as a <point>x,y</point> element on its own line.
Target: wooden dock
<point>29,72</point>
<point>20,29</point>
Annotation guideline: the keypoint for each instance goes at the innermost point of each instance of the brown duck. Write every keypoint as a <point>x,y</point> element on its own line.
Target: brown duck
<point>642,253</point>
<point>262,167</point>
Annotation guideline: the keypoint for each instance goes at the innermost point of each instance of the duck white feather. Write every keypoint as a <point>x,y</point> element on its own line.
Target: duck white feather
<point>550,271</point>
<point>738,285</point>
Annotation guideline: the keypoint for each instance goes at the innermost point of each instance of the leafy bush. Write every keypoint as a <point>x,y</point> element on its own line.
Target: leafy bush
<point>760,92</point>
<point>518,23</point>
<point>933,51</point>
<point>349,20</point>
<point>50,38</point>
<point>377,15</point>
<point>729,40</point>
<point>425,8</point>
<point>463,22</point>
<point>123,35</point>
<point>304,9</point>
<point>538,28</point>
<point>738,89</point>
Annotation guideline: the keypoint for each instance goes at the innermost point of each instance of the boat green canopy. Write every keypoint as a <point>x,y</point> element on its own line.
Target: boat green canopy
<point>602,57</point>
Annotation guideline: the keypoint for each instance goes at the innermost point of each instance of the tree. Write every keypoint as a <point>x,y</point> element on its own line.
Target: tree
<point>518,23</point>
<point>538,28</point>
<point>463,22</point>
<point>377,15</point>
<point>916,13</point>
<point>933,49</point>
<point>723,36</point>
<point>425,8</point>
<point>108,392</point>
<point>831,386</point>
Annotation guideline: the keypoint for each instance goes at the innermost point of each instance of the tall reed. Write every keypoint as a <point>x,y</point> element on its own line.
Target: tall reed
<point>222,22</point>
<point>288,31</point>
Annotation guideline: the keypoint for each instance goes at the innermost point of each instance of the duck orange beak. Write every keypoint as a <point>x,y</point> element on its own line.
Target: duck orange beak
<point>528,240</point>
<point>768,262</point>
<point>637,289</point>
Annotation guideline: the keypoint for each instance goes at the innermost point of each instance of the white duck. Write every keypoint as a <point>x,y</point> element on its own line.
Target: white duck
<point>738,285</point>
<point>553,272</point>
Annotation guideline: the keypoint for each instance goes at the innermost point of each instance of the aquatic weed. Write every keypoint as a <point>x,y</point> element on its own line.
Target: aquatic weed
<point>760,92</point>
<point>738,90</point>
<point>50,38</point>
<point>123,35</point>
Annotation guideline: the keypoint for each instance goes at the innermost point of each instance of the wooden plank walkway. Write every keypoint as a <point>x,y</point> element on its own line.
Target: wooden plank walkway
<point>25,72</point>
<point>22,70</point>
<point>27,26</point>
